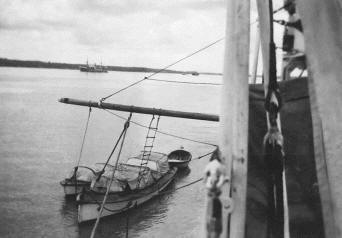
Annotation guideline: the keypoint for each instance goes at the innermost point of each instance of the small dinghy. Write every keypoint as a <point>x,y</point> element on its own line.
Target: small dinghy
<point>134,183</point>
<point>179,158</point>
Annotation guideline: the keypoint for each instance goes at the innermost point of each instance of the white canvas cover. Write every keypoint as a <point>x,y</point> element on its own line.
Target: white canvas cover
<point>161,161</point>
<point>82,174</point>
<point>126,175</point>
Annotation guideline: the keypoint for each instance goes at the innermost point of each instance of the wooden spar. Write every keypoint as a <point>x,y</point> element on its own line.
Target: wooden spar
<point>142,110</point>
<point>256,55</point>
<point>234,114</point>
<point>322,24</point>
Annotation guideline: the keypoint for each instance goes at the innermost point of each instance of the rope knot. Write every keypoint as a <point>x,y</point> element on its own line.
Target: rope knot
<point>274,137</point>
<point>273,101</point>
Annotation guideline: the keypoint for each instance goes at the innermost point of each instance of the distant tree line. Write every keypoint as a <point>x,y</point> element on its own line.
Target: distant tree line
<point>53,65</point>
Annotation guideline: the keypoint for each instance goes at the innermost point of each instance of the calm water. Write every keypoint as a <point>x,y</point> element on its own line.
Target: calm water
<point>40,140</point>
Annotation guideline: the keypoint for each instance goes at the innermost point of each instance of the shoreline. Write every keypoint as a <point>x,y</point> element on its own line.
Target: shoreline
<point>4,62</point>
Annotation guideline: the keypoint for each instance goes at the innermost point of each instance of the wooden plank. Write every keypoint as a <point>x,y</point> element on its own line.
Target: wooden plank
<point>321,165</point>
<point>322,24</point>
<point>234,114</point>
<point>142,110</point>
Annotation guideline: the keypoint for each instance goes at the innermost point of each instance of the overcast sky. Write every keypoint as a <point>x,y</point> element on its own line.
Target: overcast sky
<point>150,33</point>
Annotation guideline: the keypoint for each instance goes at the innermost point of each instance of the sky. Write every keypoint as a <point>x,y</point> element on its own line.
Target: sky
<point>147,33</point>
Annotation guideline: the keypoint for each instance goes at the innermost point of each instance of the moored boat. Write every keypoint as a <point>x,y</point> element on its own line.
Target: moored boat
<point>79,178</point>
<point>93,68</point>
<point>132,185</point>
<point>179,158</point>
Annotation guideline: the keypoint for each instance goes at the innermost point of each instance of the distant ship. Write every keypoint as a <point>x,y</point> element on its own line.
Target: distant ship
<point>94,68</point>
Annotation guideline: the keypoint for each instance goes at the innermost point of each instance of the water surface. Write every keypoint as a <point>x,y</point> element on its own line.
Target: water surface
<point>40,141</point>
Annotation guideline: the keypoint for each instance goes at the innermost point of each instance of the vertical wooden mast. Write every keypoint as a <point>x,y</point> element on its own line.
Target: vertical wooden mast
<point>234,112</point>
<point>322,24</point>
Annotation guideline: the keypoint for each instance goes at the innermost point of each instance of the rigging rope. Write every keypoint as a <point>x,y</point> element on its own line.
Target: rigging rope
<point>161,132</point>
<point>176,62</point>
<point>81,151</point>
<point>182,82</point>
<point>84,136</point>
<point>166,67</point>
<point>273,145</point>
<point>112,178</point>
<point>126,125</point>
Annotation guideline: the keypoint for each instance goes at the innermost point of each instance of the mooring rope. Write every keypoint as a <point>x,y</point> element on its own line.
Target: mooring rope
<point>202,156</point>
<point>181,187</point>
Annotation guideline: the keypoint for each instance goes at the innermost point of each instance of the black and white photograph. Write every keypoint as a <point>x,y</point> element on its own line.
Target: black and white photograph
<point>170,119</point>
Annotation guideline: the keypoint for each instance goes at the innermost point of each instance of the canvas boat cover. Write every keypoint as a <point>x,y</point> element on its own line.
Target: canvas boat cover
<point>85,174</point>
<point>302,189</point>
<point>126,175</point>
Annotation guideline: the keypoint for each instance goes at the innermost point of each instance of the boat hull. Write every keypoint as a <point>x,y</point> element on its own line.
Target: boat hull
<point>89,203</point>
<point>72,189</point>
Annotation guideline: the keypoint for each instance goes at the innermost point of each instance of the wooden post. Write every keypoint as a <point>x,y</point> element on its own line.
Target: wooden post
<point>322,24</point>
<point>234,114</point>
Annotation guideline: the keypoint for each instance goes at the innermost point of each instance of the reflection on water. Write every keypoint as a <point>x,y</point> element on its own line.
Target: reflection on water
<point>133,222</point>
<point>41,138</point>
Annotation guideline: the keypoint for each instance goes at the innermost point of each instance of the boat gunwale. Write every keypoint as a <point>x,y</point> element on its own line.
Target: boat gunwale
<point>133,194</point>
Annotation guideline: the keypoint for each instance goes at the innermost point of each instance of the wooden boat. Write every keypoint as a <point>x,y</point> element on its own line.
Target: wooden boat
<point>132,185</point>
<point>179,158</point>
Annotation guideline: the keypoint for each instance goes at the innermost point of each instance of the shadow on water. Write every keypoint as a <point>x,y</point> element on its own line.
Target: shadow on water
<point>138,220</point>
<point>182,173</point>
<point>69,211</point>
